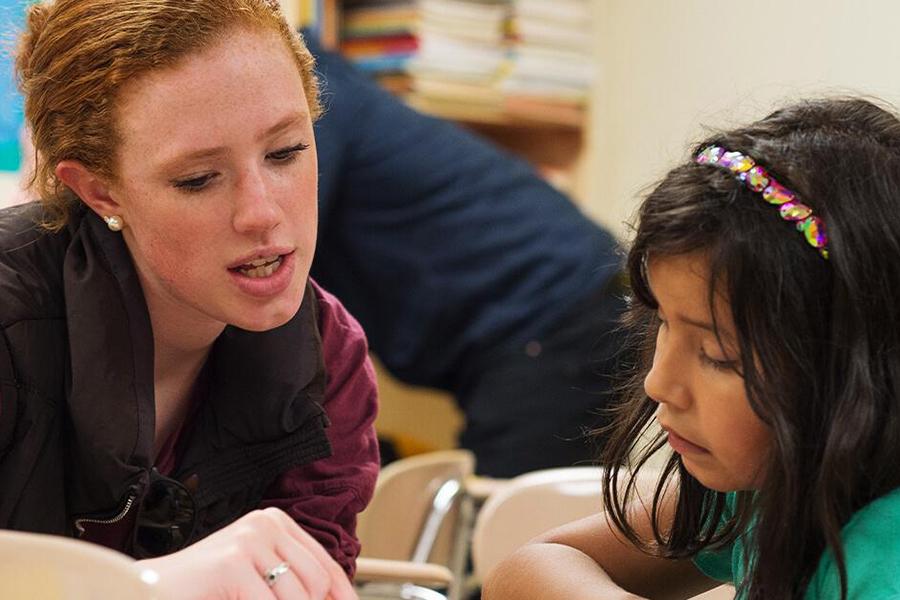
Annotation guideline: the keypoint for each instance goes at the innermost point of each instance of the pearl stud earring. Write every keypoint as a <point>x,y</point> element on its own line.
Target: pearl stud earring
<point>114,223</point>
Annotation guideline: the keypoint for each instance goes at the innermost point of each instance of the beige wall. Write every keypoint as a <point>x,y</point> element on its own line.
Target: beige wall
<point>291,9</point>
<point>9,189</point>
<point>666,67</point>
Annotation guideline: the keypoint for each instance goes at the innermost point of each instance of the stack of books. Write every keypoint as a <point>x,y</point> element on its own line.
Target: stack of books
<point>551,60</point>
<point>461,59</point>
<point>445,56</point>
<point>494,61</point>
<point>380,37</point>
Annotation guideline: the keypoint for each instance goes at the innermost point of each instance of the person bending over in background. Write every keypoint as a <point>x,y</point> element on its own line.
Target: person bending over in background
<point>468,272</point>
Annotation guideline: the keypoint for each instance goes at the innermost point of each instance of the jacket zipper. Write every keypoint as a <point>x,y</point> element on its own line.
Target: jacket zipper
<point>128,504</point>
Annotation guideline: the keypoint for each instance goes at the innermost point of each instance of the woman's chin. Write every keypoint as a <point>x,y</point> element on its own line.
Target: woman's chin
<point>258,314</point>
<point>266,323</point>
<point>259,319</point>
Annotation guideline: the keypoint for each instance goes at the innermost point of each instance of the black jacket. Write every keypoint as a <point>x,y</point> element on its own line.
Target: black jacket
<point>76,388</point>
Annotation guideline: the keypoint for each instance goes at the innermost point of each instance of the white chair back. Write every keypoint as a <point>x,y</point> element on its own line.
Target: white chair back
<point>534,503</point>
<point>415,528</point>
<point>414,512</point>
<point>45,567</point>
<point>529,505</point>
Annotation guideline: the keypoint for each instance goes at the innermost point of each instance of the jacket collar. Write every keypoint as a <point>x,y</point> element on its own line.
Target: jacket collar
<point>263,384</point>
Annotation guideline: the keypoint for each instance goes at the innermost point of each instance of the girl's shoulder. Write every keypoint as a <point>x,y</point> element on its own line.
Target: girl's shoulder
<point>872,518</point>
<point>723,564</point>
<point>871,542</point>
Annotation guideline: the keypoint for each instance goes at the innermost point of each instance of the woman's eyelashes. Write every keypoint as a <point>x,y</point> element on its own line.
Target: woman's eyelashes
<point>199,183</point>
<point>287,155</point>
<point>194,184</point>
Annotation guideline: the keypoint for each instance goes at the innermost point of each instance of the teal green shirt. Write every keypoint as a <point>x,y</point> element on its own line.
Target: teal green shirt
<point>871,549</point>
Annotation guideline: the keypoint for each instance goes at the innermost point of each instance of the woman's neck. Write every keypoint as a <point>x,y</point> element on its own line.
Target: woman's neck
<point>178,348</point>
<point>182,340</point>
<point>182,334</point>
<point>179,355</point>
<point>181,345</point>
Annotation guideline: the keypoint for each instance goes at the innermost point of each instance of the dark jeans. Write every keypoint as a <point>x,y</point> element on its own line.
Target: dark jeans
<point>531,407</point>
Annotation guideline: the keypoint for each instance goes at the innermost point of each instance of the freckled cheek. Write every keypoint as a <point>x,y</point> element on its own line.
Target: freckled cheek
<point>300,193</point>
<point>301,208</point>
<point>177,253</point>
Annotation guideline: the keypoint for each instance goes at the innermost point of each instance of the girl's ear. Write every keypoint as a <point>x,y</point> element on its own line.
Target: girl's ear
<point>92,190</point>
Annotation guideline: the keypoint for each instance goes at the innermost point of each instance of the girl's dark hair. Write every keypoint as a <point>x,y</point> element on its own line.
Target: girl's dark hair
<point>819,339</point>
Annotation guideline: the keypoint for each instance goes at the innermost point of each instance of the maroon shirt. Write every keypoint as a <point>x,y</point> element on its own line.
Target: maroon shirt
<point>325,496</point>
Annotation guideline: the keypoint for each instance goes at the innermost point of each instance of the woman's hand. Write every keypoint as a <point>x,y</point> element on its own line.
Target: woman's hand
<point>232,564</point>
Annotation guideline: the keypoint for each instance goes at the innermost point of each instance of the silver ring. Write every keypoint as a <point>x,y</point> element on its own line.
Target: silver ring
<point>271,576</point>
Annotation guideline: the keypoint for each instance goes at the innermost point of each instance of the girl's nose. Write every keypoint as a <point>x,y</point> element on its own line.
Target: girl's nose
<point>666,382</point>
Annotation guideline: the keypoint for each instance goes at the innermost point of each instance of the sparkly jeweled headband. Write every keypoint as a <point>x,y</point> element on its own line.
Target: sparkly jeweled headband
<point>757,179</point>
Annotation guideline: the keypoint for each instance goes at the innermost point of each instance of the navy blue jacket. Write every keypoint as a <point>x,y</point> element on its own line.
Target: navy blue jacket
<point>443,246</point>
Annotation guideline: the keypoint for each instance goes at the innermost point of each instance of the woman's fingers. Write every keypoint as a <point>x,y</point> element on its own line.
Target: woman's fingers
<point>255,586</point>
<point>341,588</point>
<point>210,571</point>
<point>283,581</point>
<point>234,563</point>
<point>304,567</point>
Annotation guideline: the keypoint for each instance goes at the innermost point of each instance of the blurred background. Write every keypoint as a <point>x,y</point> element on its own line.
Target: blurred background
<point>601,95</point>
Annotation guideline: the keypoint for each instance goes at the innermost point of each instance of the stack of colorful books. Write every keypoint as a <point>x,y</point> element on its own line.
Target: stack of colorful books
<point>462,57</point>
<point>551,59</point>
<point>380,37</point>
<point>495,61</point>
<point>441,54</point>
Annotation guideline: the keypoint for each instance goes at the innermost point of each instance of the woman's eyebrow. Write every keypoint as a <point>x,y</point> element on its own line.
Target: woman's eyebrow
<point>285,123</point>
<point>218,151</point>
<point>195,155</point>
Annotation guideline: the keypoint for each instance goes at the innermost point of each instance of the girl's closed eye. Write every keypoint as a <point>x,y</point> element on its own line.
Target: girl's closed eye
<point>195,184</point>
<point>719,364</point>
<point>287,155</point>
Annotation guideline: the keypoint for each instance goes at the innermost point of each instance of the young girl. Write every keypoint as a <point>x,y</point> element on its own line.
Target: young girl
<point>172,383</point>
<point>766,280</point>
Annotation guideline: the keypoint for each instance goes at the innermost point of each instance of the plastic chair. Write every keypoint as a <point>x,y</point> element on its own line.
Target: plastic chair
<point>47,567</point>
<point>415,530</point>
<point>531,504</point>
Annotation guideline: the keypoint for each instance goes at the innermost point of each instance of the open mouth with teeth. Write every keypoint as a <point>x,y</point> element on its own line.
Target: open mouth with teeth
<point>261,267</point>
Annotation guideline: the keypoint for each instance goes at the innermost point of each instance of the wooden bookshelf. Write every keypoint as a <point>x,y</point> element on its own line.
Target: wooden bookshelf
<point>521,114</point>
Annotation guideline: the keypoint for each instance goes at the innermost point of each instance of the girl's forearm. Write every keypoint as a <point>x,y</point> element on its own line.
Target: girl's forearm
<point>542,570</point>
